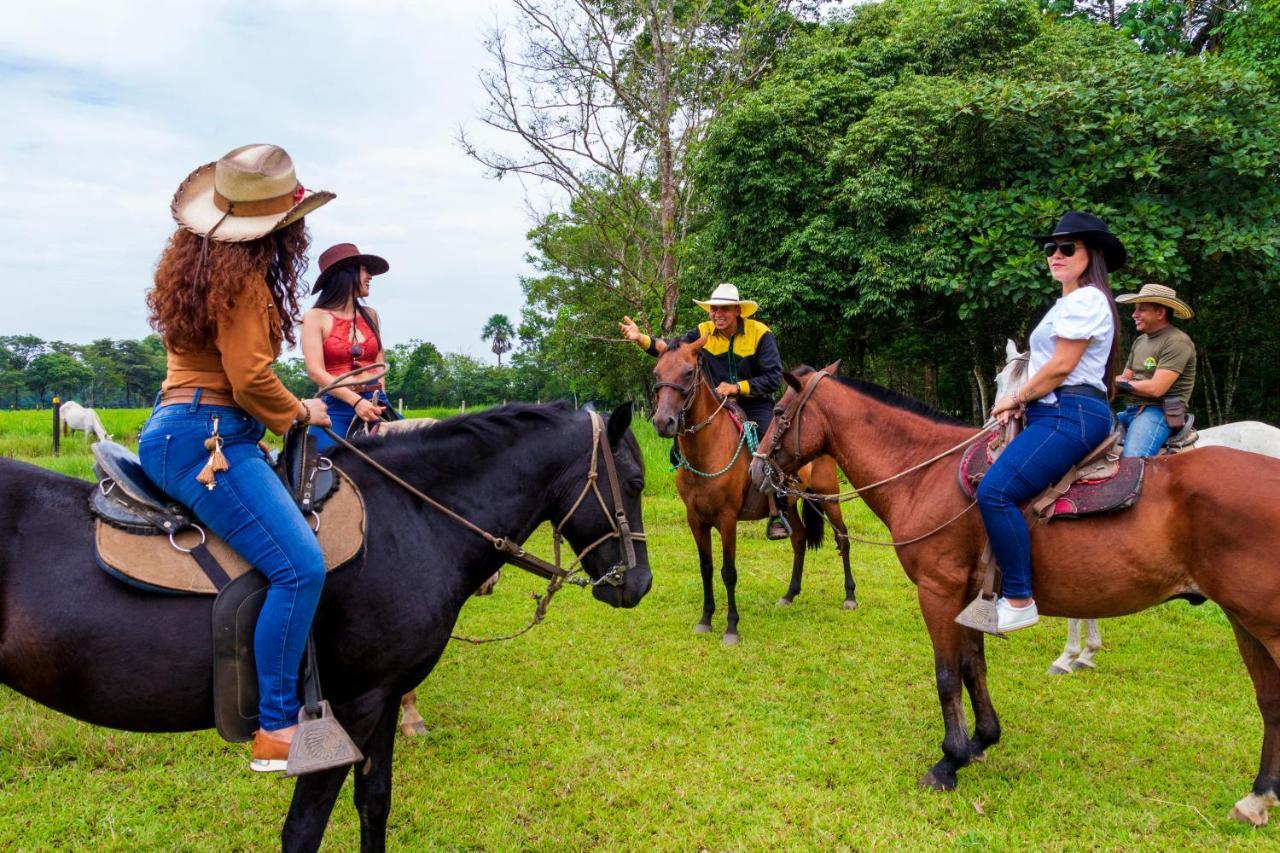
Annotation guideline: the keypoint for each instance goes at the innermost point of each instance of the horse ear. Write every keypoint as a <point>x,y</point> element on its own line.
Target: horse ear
<point>1010,349</point>
<point>791,380</point>
<point>833,368</point>
<point>619,423</point>
<point>699,343</point>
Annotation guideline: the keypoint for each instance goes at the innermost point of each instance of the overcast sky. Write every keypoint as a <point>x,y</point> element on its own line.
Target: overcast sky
<point>109,105</point>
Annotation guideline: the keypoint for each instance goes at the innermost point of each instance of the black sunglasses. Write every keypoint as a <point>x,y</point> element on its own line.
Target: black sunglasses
<point>1067,249</point>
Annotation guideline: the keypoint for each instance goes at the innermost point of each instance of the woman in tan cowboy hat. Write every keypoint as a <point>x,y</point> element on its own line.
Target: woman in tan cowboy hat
<point>341,333</point>
<point>741,355</point>
<point>224,300</point>
<point>1162,365</point>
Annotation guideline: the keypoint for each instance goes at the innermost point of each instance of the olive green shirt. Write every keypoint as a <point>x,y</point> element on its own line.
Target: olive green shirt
<point>1168,349</point>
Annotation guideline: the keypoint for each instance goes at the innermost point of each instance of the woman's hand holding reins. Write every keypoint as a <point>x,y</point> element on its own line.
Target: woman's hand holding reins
<point>367,410</point>
<point>1005,408</point>
<point>319,412</point>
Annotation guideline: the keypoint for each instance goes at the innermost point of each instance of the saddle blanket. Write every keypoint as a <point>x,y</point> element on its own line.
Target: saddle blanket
<point>1108,486</point>
<point>153,563</point>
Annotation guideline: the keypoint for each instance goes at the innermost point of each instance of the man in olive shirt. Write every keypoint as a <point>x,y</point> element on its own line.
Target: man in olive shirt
<point>1161,364</point>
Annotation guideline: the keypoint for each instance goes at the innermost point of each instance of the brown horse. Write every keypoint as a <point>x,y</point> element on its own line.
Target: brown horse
<point>1207,526</point>
<point>714,486</point>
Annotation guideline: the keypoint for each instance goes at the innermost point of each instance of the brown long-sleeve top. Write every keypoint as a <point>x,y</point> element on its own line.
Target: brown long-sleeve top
<point>239,360</point>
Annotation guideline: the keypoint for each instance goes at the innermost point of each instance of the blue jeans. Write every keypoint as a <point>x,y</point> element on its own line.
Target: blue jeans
<point>252,511</point>
<point>1057,436</point>
<point>342,414</point>
<point>1145,431</point>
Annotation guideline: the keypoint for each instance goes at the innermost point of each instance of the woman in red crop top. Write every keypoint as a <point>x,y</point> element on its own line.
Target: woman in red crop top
<point>341,334</point>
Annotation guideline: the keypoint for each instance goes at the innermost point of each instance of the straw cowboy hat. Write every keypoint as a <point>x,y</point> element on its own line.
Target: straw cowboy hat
<point>1160,295</point>
<point>727,294</point>
<point>346,254</point>
<point>1093,231</point>
<point>246,194</point>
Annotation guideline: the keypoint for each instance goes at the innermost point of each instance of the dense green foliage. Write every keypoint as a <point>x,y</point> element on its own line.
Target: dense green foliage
<point>879,192</point>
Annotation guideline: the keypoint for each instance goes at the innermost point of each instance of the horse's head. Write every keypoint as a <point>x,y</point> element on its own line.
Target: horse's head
<point>792,439</point>
<point>1014,373</point>
<point>598,511</point>
<point>675,377</point>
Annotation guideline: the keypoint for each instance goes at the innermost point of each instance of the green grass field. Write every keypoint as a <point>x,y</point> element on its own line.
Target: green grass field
<point>624,730</point>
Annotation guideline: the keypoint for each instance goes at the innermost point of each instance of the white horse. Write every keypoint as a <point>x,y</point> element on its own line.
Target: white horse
<point>78,417</point>
<point>1253,436</point>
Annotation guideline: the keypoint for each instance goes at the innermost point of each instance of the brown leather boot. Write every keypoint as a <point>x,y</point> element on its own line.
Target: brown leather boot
<point>271,749</point>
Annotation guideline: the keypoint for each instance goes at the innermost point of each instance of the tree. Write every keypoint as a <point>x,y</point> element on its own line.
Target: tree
<point>498,331</point>
<point>879,190</point>
<point>609,100</point>
<point>58,373</point>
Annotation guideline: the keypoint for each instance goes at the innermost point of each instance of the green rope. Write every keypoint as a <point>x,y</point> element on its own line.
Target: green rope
<point>748,438</point>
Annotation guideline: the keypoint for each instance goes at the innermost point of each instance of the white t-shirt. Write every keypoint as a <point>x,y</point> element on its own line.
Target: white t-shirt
<point>1082,314</point>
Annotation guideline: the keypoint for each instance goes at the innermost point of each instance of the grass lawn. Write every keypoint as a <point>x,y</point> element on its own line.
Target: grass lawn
<point>625,730</point>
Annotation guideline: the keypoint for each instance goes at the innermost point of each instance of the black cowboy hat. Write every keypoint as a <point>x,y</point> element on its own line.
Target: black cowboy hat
<point>1093,231</point>
<point>346,254</point>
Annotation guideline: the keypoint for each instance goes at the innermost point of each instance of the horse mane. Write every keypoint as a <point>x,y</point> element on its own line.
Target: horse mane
<point>889,397</point>
<point>492,427</point>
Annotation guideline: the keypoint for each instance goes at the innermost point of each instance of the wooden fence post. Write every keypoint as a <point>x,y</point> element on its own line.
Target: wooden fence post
<point>57,423</point>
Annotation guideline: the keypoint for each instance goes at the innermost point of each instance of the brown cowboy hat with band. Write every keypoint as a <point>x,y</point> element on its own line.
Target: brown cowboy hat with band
<point>1160,295</point>
<point>244,195</point>
<point>343,255</point>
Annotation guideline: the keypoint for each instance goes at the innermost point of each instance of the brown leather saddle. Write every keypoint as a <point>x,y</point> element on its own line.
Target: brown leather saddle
<point>1103,481</point>
<point>146,539</point>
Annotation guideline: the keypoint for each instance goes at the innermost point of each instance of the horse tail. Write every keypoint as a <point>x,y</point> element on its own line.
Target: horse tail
<point>814,524</point>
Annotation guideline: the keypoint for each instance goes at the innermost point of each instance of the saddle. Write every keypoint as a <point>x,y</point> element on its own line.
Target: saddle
<point>1101,482</point>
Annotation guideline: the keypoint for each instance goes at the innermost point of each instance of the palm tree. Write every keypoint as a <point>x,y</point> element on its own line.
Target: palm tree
<point>498,330</point>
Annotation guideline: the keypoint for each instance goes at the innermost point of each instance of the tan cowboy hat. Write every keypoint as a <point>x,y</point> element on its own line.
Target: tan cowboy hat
<point>246,194</point>
<point>1160,295</point>
<point>727,294</point>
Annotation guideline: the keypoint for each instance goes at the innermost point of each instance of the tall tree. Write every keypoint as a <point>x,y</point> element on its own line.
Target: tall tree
<point>609,100</point>
<point>499,333</point>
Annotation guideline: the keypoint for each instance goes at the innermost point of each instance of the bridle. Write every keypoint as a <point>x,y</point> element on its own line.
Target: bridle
<point>686,392</point>
<point>783,422</point>
<point>514,553</point>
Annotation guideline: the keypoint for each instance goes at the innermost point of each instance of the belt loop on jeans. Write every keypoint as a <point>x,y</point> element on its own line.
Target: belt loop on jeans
<point>195,401</point>
<point>156,402</point>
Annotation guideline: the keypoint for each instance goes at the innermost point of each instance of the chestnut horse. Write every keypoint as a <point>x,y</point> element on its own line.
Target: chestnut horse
<point>1207,526</point>
<point>714,485</point>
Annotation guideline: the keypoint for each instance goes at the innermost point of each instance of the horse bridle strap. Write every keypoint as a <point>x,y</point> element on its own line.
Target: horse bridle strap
<point>513,552</point>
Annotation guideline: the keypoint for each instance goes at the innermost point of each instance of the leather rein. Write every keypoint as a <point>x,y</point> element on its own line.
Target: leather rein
<point>513,552</point>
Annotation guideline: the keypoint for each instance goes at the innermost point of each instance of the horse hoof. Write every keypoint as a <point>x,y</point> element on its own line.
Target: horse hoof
<point>930,782</point>
<point>1253,809</point>
<point>731,639</point>
<point>1081,666</point>
<point>702,628</point>
<point>784,601</point>
<point>850,604</point>
<point>1057,670</point>
<point>413,729</point>
<point>977,758</point>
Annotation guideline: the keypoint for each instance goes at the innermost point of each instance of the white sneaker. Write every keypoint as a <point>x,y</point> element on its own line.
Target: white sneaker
<point>1010,618</point>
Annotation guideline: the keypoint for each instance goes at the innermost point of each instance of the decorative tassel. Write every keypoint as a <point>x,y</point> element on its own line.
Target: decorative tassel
<point>217,462</point>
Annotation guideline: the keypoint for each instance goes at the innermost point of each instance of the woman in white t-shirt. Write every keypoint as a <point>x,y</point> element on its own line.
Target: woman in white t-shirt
<point>1072,367</point>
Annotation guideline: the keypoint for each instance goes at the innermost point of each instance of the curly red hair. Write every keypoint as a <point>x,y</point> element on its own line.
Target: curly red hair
<point>182,310</point>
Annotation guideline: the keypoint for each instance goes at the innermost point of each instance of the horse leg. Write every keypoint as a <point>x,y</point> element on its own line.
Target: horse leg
<point>836,517</point>
<point>315,793</point>
<point>1062,666</point>
<point>1265,673</point>
<point>729,574</point>
<point>412,724</point>
<point>797,554</point>
<point>1092,643</point>
<point>948,638</point>
<point>373,782</point>
<point>702,537</point>
<point>973,668</point>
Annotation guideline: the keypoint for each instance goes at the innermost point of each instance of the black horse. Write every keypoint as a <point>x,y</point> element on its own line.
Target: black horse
<point>92,647</point>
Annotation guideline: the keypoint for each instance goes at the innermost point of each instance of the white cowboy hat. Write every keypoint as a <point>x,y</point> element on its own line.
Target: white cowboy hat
<point>246,194</point>
<point>727,294</point>
<point>1160,295</point>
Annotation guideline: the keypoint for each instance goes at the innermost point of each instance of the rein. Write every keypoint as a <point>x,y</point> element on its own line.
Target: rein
<point>785,421</point>
<point>512,552</point>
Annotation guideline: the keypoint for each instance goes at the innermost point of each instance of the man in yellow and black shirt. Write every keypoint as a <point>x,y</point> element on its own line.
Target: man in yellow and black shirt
<point>741,355</point>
